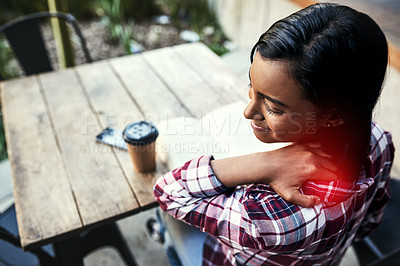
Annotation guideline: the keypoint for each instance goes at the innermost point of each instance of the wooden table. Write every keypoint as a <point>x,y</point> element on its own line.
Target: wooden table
<point>64,182</point>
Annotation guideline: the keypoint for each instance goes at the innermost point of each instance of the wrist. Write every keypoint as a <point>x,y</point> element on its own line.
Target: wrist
<point>263,167</point>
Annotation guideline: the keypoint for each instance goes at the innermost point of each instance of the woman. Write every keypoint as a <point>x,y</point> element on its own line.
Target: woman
<point>315,78</point>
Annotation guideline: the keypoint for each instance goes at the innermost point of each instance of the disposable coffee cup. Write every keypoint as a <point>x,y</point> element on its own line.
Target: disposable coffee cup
<point>140,138</point>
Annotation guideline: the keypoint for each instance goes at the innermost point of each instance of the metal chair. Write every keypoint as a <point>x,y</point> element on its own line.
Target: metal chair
<point>67,252</point>
<point>70,251</point>
<point>10,248</point>
<point>382,247</point>
<point>26,40</point>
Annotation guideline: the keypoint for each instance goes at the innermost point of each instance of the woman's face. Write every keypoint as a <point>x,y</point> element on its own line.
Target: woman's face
<point>278,109</point>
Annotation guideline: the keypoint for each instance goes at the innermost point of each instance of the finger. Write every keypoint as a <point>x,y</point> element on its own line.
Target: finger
<point>306,201</point>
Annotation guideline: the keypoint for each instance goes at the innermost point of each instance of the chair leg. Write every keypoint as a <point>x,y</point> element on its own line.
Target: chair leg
<point>392,258</point>
<point>44,258</point>
<point>365,254</point>
<point>108,235</point>
<point>69,251</point>
<point>123,248</point>
<point>72,251</point>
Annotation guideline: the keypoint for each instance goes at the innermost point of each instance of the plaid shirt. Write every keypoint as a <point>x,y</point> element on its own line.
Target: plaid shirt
<point>252,225</point>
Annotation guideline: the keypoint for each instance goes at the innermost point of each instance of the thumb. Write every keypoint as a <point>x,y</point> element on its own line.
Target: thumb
<point>306,201</point>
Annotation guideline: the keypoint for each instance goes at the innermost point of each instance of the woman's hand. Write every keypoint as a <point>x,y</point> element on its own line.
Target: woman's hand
<point>285,170</point>
<point>294,165</point>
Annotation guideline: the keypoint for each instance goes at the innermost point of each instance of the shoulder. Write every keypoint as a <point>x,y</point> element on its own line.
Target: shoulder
<point>381,144</point>
<point>380,156</point>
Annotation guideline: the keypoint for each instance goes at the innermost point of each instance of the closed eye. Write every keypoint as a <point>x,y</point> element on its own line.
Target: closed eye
<point>272,111</point>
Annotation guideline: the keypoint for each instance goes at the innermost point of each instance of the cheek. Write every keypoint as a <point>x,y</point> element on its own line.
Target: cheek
<point>279,123</point>
<point>306,123</point>
<point>274,122</point>
<point>293,123</point>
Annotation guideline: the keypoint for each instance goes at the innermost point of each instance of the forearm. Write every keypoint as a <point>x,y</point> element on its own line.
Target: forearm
<point>246,169</point>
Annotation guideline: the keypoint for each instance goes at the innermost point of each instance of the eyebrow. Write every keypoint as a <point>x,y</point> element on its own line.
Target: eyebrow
<point>272,99</point>
<point>267,97</point>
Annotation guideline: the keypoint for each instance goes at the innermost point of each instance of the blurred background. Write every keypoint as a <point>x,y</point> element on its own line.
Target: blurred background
<point>117,27</point>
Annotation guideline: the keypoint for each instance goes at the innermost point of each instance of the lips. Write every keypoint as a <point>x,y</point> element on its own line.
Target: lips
<point>259,128</point>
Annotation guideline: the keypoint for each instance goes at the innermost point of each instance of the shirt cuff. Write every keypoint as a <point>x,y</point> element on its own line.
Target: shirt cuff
<point>200,180</point>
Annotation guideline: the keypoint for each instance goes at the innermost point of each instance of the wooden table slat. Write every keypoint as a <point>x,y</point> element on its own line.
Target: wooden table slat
<point>220,78</point>
<point>40,182</point>
<point>96,178</point>
<point>110,101</point>
<point>186,84</point>
<point>150,92</point>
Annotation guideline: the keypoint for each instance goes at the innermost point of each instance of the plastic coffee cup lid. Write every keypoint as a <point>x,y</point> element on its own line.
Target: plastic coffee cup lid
<point>140,133</point>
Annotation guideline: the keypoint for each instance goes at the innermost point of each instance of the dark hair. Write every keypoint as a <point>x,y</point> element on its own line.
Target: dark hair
<point>339,57</point>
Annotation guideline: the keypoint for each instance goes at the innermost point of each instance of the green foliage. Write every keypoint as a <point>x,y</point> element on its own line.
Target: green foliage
<point>113,17</point>
<point>198,14</point>
<point>217,48</point>
<point>118,16</point>
<point>121,10</point>
<point>125,34</point>
<point>6,70</point>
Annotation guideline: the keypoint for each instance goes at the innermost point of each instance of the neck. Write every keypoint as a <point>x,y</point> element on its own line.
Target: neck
<point>346,154</point>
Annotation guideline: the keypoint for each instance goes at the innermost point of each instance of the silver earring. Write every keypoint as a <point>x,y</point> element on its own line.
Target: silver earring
<point>329,124</point>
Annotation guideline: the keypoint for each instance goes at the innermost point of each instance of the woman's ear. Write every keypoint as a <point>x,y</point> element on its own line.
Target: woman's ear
<point>333,119</point>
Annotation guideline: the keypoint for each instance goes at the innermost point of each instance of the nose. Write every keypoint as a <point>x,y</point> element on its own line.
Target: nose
<point>253,110</point>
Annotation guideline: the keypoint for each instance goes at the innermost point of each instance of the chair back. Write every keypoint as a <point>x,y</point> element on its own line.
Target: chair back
<point>26,40</point>
<point>32,54</point>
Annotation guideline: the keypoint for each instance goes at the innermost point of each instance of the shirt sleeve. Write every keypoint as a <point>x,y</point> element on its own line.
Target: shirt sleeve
<point>237,217</point>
